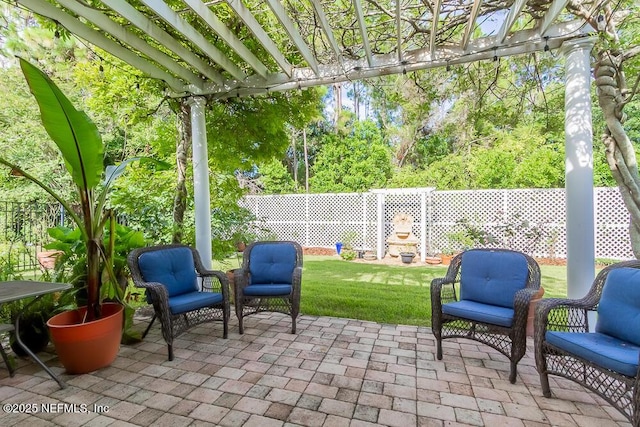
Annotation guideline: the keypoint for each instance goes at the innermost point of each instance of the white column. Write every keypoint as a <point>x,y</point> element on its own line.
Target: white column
<point>579,168</point>
<point>201,196</point>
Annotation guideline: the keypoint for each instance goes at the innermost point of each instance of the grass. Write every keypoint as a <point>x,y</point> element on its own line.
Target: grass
<point>392,294</point>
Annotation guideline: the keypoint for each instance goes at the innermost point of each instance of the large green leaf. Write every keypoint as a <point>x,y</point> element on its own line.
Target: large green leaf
<point>73,132</point>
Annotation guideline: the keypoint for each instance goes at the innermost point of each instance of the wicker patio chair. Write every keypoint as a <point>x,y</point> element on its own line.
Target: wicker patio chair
<point>492,303</point>
<point>182,291</point>
<point>607,360</point>
<point>269,280</point>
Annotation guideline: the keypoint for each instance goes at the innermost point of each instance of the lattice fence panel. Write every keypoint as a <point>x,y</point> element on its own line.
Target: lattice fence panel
<point>612,225</point>
<point>512,217</point>
<point>534,222</point>
<point>477,208</point>
<point>337,218</point>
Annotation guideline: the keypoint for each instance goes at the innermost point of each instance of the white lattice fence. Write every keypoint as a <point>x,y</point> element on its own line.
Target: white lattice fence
<point>531,220</point>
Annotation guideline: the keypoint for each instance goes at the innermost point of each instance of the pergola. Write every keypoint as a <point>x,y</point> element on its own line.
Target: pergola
<point>211,50</point>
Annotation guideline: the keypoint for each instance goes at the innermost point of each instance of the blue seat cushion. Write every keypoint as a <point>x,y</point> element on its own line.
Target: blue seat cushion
<point>272,263</point>
<point>193,301</point>
<point>619,306</point>
<point>269,290</point>
<point>492,277</point>
<point>174,268</point>
<point>479,312</point>
<point>602,350</point>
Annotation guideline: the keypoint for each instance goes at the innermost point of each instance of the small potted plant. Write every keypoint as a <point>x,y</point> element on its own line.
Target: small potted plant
<point>407,257</point>
<point>432,258</point>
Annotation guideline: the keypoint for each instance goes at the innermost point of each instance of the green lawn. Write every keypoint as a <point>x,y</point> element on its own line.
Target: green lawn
<point>395,294</point>
<point>383,293</point>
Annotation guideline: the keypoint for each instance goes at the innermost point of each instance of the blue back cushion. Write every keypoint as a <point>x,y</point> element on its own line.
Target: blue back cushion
<point>174,268</point>
<point>272,263</point>
<point>619,308</point>
<point>492,277</point>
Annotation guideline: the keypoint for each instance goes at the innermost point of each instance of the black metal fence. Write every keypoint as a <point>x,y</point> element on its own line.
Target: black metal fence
<point>23,232</point>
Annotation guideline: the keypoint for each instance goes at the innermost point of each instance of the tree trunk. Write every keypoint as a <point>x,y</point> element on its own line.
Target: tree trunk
<point>182,152</point>
<point>620,153</point>
<point>306,160</point>
<point>294,153</point>
<point>337,94</point>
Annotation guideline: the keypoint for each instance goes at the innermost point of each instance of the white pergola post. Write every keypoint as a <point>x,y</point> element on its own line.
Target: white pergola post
<point>579,168</point>
<point>202,199</point>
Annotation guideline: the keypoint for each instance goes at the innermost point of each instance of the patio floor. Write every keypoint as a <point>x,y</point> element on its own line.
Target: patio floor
<point>334,372</point>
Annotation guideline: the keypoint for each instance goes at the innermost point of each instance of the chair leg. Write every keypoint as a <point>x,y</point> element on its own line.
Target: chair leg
<point>7,362</point>
<point>146,331</point>
<point>293,324</point>
<point>170,348</point>
<point>513,373</point>
<point>439,348</point>
<point>240,325</point>
<point>544,383</point>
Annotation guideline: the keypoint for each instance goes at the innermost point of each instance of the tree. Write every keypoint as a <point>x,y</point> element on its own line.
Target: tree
<point>356,158</point>
<point>617,60</point>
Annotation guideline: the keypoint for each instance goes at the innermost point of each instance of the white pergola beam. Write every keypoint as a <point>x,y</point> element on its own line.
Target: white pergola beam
<point>129,38</point>
<point>434,26</point>
<point>294,34</point>
<point>554,10</point>
<point>182,26</point>
<point>510,19</point>
<point>254,26</point>
<point>324,23</point>
<point>363,31</point>
<point>227,35</point>
<point>471,22</point>
<point>94,37</point>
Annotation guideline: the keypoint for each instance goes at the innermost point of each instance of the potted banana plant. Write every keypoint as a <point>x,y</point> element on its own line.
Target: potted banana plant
<point>95,329</point>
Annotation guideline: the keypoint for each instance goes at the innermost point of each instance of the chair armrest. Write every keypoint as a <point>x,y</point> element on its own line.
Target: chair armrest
<point>157,293</point>
<point>240,281</point>
<point>561,314</point>
<point>438,288</point>
<point>297,277</point>
<point>521,301</point>
<point>220,285</point>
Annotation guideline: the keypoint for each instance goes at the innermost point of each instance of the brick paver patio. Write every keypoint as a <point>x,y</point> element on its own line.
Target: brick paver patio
<point>334,372</point>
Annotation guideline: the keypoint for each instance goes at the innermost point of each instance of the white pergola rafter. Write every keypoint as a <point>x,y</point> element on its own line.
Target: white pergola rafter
<point>199,40</point>
<point>362,26</point>
<point>294,34</point>
<point>256,29</point>
<point>399,28</point>
<point>126,36</point>
<point>552,14</point>
<point>471,22</point>
<point>434,26</point>
<point>77,27</point>
<point>324,23</point>
<point>510,19</point>
<point>225,33</point>
<point>165,39</point>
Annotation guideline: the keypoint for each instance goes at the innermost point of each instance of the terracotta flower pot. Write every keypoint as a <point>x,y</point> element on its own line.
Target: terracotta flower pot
<point>532,311</point>
<point>86,347</point>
